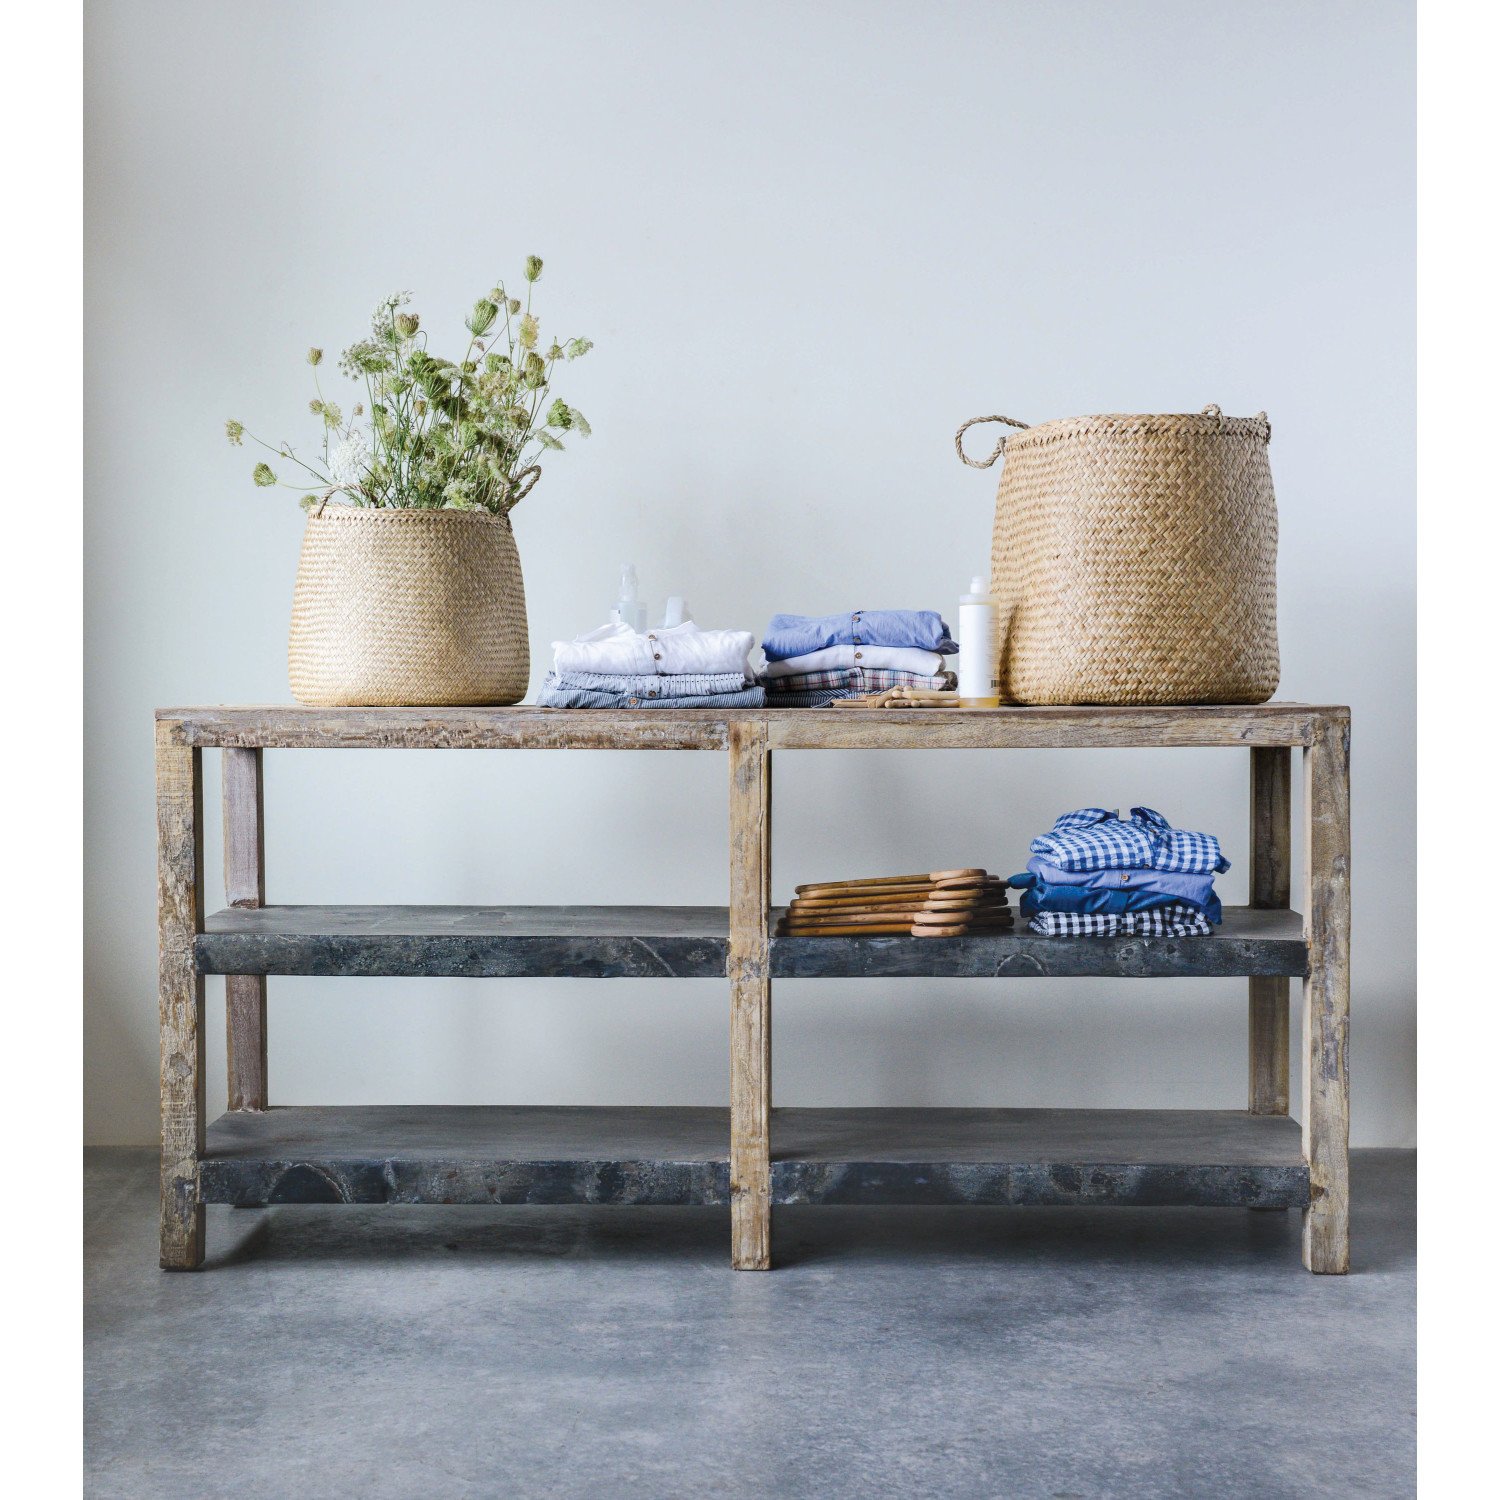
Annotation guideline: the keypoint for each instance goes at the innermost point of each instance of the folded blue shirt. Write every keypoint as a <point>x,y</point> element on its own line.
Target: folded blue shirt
<point>553,694</point>
<point>1194,888</point>
<point>798,635</point>
<point>1039,895</point>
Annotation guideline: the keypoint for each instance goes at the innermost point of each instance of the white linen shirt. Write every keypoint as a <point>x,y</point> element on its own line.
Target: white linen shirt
<point>617,650</point>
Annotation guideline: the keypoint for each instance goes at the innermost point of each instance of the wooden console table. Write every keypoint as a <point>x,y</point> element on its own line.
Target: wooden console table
<point>748,1156</point>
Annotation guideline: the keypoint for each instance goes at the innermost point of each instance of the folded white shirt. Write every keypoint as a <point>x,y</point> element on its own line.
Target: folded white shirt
<point>833,658</point>
<point>620,651</point>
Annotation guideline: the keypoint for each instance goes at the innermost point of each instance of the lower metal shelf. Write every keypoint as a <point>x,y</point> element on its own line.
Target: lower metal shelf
<point>645,1155</point>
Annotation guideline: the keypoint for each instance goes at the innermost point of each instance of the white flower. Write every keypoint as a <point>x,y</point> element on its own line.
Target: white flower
<point>349,459</point>
<point>381,318</point>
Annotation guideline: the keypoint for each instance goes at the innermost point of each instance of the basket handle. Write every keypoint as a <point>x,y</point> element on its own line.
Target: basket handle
<point>958,440</point>
<point>531,473</point>
<point>1212,410</point>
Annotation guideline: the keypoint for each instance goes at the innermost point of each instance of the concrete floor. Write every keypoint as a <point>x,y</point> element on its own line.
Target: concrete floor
<point>611,1353</point>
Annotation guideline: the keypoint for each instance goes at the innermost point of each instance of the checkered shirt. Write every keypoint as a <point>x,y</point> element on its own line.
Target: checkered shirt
<point>855,680</point>
<point>1095,838</point>
<point>1176,920</point>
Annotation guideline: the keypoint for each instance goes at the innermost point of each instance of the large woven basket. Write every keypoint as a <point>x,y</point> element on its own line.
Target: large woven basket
<point>408,607</point>
<point>1135,559</point>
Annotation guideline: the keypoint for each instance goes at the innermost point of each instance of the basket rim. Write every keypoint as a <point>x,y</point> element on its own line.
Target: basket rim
<point>405,513</point>
<point>1199,424</point>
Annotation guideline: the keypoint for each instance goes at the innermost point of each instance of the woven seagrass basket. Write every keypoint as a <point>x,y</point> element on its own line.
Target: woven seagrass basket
<point>1135,559</point>
<point>408,607</point>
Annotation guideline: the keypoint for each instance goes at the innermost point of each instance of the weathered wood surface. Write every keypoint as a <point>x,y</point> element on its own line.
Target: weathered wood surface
<point>245,888</point>
<point>1039,728</point>
<point>1248,942</point>
<point>529,727</point>
<point>1325,999</point>
<point>1270,887</point>
<point>524,728</point>
<point>749,996</point>
<point>1041,1157</point>
<point>509,1154</point>
<point>179,904</point>
<point>468,1154</point>
<point>586,942</point>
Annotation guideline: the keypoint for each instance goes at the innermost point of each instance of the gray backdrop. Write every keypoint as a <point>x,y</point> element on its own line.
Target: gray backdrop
<point>809,241</point>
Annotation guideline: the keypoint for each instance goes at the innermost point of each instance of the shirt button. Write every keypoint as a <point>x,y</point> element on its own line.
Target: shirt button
<point>657,655</point>
<point>859,656</point>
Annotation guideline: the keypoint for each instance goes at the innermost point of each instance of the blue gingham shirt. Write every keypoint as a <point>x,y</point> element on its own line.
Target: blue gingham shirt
<point>1096,838</point>
<point>1160,921</point>
<point>799,635</point>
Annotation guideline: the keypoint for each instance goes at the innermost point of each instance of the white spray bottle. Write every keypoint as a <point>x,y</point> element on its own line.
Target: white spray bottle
<point>629,610</point>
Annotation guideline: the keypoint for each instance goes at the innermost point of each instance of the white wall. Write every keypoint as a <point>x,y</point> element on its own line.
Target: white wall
<point>809,241</point>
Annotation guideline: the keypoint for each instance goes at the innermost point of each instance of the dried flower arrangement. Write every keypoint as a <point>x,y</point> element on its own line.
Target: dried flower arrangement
<point>433,434</point>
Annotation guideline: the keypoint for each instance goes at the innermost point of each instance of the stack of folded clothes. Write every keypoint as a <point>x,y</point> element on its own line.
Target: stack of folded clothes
<point>1095,875</point>
<point>811,661</point>
<point>677,667</point>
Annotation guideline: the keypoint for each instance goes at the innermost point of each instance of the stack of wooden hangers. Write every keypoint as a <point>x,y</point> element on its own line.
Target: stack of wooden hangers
<point>940,903</point>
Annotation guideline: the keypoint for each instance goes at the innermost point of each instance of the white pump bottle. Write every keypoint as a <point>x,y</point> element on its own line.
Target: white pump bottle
<point>978,647</point>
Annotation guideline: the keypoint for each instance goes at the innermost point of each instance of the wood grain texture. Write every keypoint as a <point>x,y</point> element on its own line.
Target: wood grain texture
<point>749,996</point>
<point>524,728</point>
<point>1040,728</point>
<point>1270,887</point>
<point>1325,999</point>
<point>529,727</point>
<point>179,900</point>
<point>245,887</point>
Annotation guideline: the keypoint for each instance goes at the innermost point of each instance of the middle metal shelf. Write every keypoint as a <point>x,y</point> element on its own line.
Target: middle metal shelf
<point>692,942</point>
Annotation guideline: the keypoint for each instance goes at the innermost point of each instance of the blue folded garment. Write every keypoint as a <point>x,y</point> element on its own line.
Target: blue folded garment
<point>1194,888</point>
<point>651,685</point>
<point>1041,896</point>
<point>800,635</point>
<point>553,695</point>
<point>1095,838</point>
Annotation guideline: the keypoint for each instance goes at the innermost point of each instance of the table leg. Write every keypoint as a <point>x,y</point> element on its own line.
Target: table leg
<point>245,885</point>
<point>179,889</point>
<point>749,996</point>
<point>1270,887</point>
<point>1325,998</point>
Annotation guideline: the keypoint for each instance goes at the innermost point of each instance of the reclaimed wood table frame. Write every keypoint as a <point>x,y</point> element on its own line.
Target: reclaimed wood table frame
<point>749,1156</point>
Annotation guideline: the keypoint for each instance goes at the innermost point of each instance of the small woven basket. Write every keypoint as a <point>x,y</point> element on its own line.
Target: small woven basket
<point>408,607</point>
<point>1135,559</point>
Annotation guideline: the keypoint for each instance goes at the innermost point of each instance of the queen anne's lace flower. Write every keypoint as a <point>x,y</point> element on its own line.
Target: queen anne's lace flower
<point>349,459</point>
<point>439,431</point>
<point>381,318</point>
